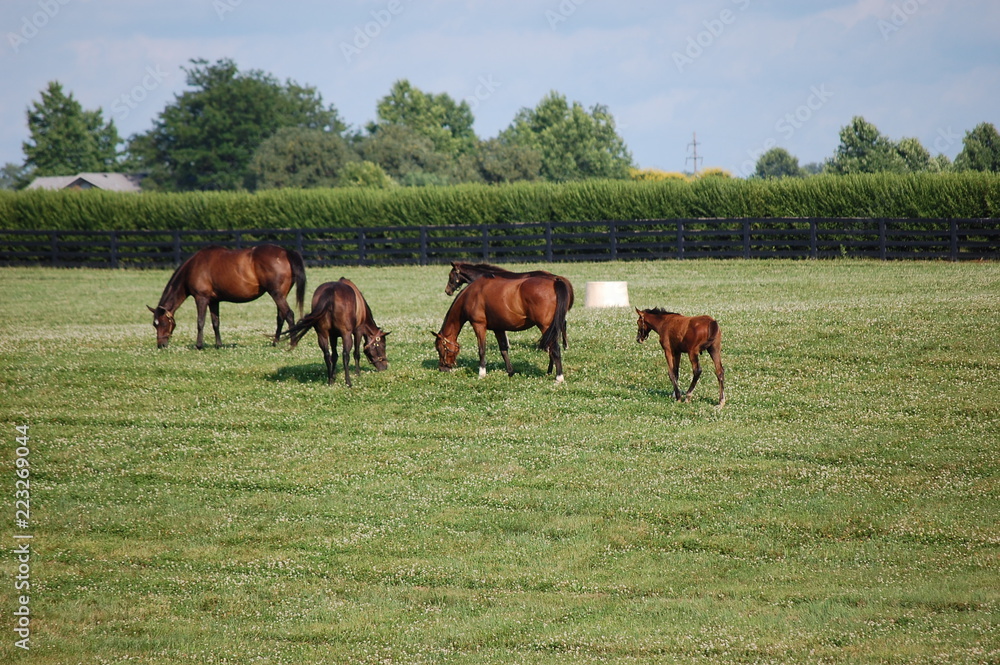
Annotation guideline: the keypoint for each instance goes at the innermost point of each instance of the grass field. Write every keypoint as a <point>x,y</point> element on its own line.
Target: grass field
<point>227,506</point>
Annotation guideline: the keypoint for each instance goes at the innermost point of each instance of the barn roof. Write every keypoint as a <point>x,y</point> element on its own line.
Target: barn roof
<point>114,182</point>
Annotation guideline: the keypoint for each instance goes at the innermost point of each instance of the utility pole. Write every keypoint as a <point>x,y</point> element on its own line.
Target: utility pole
<point>694,149</point>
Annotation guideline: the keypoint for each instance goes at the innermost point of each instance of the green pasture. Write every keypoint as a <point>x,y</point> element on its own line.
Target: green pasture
<point>227,506</point>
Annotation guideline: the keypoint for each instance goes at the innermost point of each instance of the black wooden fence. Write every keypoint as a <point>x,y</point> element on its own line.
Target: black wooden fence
<point>886,239</point>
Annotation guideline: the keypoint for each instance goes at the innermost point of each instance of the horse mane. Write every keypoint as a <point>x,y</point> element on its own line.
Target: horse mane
<point>487,268</point>
<point>176,280</point>
<point>660,311</point>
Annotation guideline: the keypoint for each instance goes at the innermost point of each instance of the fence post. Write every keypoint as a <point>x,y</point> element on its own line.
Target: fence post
<point>55,248</point>
<point>613,233</point>
<point>746,238</point>
<point>680,238</point>
<point>238,237</point>
<point>813,238</point>
<point>486,243</point>
<point>423,245</point>
<point>177,248</point>
<point>954,240</point>
<point>881,240</point>
<point>298,242</point>
<point>114,249</point>
<point>548,242</point>
<point>362,247</point>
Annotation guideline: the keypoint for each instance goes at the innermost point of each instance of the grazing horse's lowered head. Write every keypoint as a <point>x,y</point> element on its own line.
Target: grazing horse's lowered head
<point>163,322</point>
<point>447,352</point>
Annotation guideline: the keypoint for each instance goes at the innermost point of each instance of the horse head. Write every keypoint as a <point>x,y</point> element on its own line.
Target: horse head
<point>163,322</point>
<point>455,279</point>
<point>375,349</point>
<point>447,352</point>
<point>644,327</point>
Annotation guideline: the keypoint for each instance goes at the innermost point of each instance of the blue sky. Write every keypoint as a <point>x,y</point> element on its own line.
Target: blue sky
<point>745,75</point>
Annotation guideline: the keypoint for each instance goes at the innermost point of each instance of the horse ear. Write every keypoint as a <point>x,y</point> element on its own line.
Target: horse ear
<point>638,311</point>
<point>151,309</point>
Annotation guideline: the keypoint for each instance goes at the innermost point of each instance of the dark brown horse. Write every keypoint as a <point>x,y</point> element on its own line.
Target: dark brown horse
<point>463,272</point>
<point>216,274</point>
<point>339,310</point>
<point>685,334</point>
<point>502,305</point>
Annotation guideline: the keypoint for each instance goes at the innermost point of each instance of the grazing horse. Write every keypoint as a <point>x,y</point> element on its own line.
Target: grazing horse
<point>466,273</point>
<point>216,274</point>
<point>506,304</point>
<point>339,310</point>
<point>685,334</point>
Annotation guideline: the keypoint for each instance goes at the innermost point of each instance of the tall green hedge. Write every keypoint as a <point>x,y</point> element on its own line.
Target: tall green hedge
<point>959,195</point>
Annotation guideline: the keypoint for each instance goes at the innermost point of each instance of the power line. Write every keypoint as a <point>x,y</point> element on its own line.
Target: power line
<point>694,148</point>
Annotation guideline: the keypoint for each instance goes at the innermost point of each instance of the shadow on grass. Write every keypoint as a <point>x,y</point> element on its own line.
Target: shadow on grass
<point>471,366</point>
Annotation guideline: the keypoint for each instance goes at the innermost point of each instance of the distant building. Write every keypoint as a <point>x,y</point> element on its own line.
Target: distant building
<point>112,182</point>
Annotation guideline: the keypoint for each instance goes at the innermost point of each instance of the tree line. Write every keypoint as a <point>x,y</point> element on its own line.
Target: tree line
<point>245,130</point>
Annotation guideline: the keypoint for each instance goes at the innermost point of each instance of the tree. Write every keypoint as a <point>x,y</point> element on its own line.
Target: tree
<point>299,157</point>
<point>980,149</point>
<point>502,162</point>
<point>439,118</point>
<point>403,153</point>
<point>365,174</point>
<point>14,176</point>
<point>914,155</point>
<point>573,143</point>
<point>206,138</point>
<point>778,163</point>
<point>66,139</point>
<point>863,149</point>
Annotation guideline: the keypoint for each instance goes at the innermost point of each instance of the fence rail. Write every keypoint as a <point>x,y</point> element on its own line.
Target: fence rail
<point>885,239</point>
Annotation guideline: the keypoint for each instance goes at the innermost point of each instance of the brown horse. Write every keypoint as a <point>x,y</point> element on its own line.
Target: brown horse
<point>339,310</point>
<point>685,334</point>
<point>216,274</point>
<point>502,305</point>
<point>463,272</point>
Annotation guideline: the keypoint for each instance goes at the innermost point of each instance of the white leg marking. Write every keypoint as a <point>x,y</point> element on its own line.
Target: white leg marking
<point>482,372</point>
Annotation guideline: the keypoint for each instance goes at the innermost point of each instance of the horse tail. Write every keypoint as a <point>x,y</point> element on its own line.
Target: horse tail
<point>298,276</point>
<point>550,340</point>
<point>297,331</point>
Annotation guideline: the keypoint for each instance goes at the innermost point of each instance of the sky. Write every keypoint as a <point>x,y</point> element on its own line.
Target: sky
<point>735,76</point>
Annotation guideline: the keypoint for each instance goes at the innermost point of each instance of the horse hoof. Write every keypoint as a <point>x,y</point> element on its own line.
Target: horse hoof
<point>560,378</point>
<point>482,372</point>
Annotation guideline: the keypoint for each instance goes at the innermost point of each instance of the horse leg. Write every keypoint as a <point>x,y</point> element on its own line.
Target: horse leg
<point>480,331</point>
<point>504,349</point>
<point>331,362</point>
<point>348,341</point>
<point>213,307</point>
<point>357,353</point>
<point>673,360</point>
<point>202,305</point>
<point>284,315</point>
<point>555,354</point>
<point>695,374</point>
<point>720,373</point>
